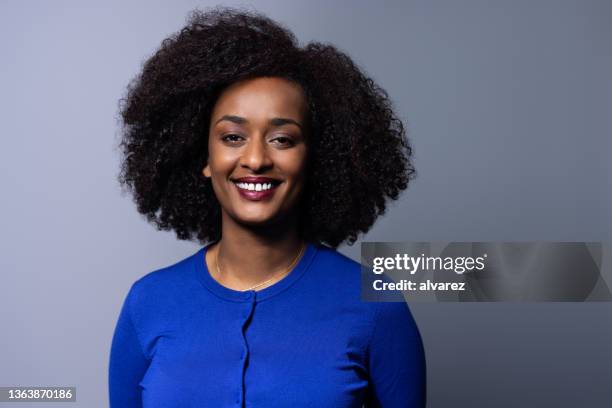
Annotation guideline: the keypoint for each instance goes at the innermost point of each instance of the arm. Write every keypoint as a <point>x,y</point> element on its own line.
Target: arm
<point>127,361</point>
<point>396,359</point>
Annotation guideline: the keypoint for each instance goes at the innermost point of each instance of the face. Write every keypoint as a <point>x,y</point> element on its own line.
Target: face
<point>257,150</point>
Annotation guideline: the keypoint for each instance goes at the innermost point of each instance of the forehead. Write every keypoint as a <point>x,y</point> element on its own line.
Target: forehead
<point>264,97</point>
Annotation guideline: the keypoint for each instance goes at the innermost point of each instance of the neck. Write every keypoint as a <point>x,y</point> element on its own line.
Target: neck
<point>249,256</point>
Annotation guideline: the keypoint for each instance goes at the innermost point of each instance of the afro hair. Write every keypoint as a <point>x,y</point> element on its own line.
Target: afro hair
<point>359,154</point>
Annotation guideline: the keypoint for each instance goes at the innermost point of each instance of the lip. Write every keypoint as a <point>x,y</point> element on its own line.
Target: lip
<point>253,195</point>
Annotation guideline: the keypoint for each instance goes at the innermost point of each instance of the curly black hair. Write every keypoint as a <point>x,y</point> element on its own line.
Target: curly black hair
<point>359,153</point>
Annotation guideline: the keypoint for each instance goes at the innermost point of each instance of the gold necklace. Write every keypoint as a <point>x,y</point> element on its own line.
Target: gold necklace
<point>269,280</point>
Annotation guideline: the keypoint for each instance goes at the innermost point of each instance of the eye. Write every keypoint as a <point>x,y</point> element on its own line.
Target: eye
<point>232,138</point>
<point>283,141</point>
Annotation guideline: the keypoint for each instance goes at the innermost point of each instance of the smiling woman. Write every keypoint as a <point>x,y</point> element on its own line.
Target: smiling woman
<point>271,155</point>
<point>256,129</point>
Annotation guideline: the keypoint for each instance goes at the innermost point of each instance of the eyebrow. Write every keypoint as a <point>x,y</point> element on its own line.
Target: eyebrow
<point>274,121</point>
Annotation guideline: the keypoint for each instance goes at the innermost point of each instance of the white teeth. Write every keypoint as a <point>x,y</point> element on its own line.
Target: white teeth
<point>255,186</point>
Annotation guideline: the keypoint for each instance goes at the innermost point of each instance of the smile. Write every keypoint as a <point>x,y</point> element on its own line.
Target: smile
<point>256,191</point>
<point>254,186</point>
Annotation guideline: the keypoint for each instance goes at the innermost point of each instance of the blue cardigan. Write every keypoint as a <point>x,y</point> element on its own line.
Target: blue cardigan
<point>184,340</point>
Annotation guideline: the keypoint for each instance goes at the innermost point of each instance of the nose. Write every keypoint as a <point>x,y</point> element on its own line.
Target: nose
<point>255,155</point>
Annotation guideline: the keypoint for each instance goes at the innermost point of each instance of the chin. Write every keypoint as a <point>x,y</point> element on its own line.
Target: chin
<point>260,219</point>
<point>255,219</point>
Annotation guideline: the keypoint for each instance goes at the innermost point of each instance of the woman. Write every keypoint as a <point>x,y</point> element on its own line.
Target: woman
<point>273,155</point>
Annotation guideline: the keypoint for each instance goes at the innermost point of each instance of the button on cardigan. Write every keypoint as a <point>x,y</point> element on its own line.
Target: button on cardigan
<point>184,340</point>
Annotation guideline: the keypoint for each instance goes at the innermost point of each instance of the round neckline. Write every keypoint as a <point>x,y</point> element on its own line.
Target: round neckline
<point>204,276</point>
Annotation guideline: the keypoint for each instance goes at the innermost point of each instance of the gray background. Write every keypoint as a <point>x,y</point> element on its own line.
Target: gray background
<point>508,106</point>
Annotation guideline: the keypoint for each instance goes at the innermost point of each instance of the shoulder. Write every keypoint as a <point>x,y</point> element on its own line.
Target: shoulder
<point>336,278</point>
<point>154,290</point>
<point>336,272</point>
<point>330,258</point>
<point>345,280</point>
<point>173,274</point>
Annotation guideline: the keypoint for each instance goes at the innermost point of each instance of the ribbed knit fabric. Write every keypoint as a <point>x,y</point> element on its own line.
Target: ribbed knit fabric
<point>184,340</point>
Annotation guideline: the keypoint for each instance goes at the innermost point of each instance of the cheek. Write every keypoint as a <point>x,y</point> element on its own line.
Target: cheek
<point>220,163</point>
<point>293,165</point>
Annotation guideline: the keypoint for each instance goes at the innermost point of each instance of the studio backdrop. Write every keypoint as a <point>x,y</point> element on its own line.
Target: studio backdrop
<point>507,105</point>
